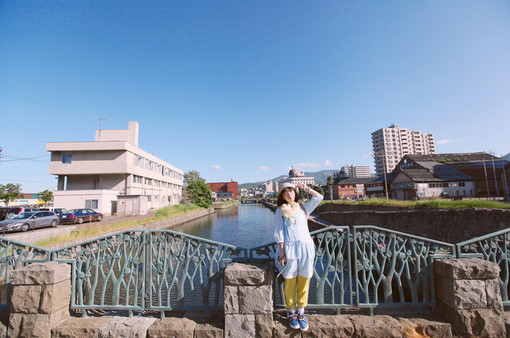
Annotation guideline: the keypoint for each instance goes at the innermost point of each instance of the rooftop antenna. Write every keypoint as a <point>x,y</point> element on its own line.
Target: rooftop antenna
<point>100,125</point>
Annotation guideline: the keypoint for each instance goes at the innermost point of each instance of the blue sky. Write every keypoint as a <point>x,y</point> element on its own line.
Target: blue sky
<point>244,89</point>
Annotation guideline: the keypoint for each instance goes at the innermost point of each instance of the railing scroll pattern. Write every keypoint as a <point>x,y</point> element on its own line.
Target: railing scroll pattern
<point>394,268</point>
<point>15,255</point>
<point>187,271</point>
<point>109,272</point>
<point>494,247</point>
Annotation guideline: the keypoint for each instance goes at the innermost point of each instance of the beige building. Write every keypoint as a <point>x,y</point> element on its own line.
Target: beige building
<point>113,175</point>
<point>297,177</point>
<point>391,144</point>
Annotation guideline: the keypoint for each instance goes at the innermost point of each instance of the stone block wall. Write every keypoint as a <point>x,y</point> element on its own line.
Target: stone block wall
<point>40,299</point>
<point>468,296</point>
<point>248,300</point>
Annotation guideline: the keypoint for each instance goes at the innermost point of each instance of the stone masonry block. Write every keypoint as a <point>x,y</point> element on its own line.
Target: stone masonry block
<point>466,268</point>
<point>55,296</point>
<point>26,299</point>
<point>123,327</point>
<point>80,327</point>
<point>255,299</point>
<point>330,326</point>
<point>479,323</point>
<point>172,326</point>
<point>493,293</point>
<point>376,326</point>
<point>240,326</point>
<point>264,325</point>
<point>35,325</point>
<point>208,331</point>
<point>469,294</point>
<point>444,287</point>
<point>41,274</point>
<point>248,274</point>
<point>230,299</point>
<point>421,327</point>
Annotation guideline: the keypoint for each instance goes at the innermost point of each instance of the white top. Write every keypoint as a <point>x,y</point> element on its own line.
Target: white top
<point>298,244</point>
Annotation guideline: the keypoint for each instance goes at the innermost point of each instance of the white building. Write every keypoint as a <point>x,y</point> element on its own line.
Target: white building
<point>298,177</point>
<point>355,171</point>
<point>113,175</point>
<point>391,144</point>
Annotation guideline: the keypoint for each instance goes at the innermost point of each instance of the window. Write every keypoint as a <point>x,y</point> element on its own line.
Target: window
<point>91,204</point>
<point>67,158</point>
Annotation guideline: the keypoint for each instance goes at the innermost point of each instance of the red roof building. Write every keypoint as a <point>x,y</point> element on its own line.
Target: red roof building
<point>224,189</point>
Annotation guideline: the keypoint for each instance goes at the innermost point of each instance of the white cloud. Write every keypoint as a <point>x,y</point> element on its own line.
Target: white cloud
<point>263,168</point>
<point>446,141</point>
<point>216,167</point>
<point>312,165</point>
<point>365,156</point>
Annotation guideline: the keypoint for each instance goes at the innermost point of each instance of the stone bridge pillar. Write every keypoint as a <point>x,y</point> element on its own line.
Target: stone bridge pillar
<point>468,296</point>
<point>248,300</point>
<point>40,299</point>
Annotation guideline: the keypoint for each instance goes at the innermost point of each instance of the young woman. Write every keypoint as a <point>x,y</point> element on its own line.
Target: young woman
<point>297,251</point>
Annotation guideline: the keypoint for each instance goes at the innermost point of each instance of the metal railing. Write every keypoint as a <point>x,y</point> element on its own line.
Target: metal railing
<point>15,255</point>
<point>165,270</point>
<point>395,268</point>
<point>494,247</point>
<point>187,271</point>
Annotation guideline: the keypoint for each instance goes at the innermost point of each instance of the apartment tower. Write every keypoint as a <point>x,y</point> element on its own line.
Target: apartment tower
<point>391,144</point>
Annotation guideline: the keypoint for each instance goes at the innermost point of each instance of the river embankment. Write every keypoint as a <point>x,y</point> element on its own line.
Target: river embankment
<point>451,225</point>
<point>33,237</point>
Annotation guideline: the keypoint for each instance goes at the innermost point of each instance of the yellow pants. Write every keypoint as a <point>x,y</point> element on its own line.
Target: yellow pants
<point>301,292</point>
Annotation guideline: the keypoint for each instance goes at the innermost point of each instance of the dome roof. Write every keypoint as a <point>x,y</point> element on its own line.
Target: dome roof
<point>293,173</point>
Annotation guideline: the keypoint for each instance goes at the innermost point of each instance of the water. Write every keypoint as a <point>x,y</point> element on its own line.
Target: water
<point>246,226</point>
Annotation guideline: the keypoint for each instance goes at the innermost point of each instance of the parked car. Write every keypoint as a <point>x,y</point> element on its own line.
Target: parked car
<point>80,215</point>
<point>30,220</point>
<point>58,211</point>
<point>14,211</point>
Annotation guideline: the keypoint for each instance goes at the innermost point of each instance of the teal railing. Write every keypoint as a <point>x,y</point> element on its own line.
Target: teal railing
<point>15,255</point>
<point>187,271</point>
<point>394,268</point>
<point>165,270</point>
<point>494,247</point>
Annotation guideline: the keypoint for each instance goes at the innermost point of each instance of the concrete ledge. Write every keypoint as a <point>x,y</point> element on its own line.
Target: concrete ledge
<point>80,327</point>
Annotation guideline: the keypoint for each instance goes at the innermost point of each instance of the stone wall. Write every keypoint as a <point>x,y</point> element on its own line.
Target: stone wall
<point>468,296</point>
<point>447,225</point>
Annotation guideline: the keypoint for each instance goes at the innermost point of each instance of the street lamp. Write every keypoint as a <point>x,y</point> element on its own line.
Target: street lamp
<point>384,171</point>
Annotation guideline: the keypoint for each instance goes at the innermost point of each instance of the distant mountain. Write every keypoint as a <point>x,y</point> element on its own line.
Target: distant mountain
<point>320,178</point>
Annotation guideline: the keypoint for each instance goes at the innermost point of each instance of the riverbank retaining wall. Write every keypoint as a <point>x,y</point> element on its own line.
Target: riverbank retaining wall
<point>447,225</point>
<point>469,304</point>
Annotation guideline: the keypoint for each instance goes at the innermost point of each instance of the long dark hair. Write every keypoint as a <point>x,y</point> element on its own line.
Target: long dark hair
<point>282,200</point>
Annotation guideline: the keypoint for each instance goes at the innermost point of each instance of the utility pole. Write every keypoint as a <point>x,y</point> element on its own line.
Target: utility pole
<point>486,179</point>
<point>505,184</point>
<point>494,173</point>
<point>100,126</point>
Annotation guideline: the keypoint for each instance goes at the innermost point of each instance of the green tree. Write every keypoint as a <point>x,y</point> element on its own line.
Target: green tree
<point>329,188</point>
<point>198,191</point>
<point>192,176</point>
<point>46,196</point>
<point>317,188</point>
<point>9,192</point>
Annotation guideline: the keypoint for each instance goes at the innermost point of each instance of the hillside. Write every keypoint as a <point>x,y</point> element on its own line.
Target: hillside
<point>320,178</point>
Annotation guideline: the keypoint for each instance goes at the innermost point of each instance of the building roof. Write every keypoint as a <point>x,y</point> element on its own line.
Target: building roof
<point>452,157</point>
<point>361,180</point>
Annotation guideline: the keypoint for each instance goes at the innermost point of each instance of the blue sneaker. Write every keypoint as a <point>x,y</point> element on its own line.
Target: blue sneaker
<point>303,323</point>
<point>294,323</point>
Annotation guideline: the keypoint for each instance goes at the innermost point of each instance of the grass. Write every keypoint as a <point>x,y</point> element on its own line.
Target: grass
<point>434,203</point>
<point>168,212</point>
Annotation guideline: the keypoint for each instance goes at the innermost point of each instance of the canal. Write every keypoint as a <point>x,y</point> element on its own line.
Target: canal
<point>246,226</point>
